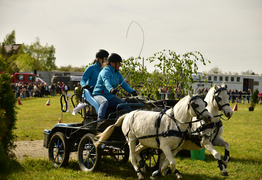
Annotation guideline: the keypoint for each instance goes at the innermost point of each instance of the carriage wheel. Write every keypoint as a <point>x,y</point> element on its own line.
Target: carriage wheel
<point>121,155</point>
<point>88,154</point>
<point>151,158</point>
<point>58,151</point>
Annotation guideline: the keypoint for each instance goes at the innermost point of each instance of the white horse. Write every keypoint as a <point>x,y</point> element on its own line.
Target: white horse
<point>207,135</point>
<point>165,131</point>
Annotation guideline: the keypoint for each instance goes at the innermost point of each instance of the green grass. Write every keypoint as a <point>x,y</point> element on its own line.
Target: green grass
<point>243,132</point>
<point>34,116</point>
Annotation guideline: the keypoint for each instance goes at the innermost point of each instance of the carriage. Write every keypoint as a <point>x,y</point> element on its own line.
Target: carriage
<point>93,142</point>
<point>65,138</point>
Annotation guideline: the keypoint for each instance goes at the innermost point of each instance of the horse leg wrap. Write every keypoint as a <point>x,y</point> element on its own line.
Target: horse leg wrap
<point>177,172</point>
<point>156,173</point>
<point>220,164</point>
<point>222,168</point>
<point>167,171</point>
<point>139,174</point>
<point>142,163</point>
<point>226,157</point>
<point>138,171</point>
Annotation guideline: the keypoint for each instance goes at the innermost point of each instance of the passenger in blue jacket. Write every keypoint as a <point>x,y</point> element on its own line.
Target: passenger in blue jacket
<point>107,82</point>
<point>90,75</point>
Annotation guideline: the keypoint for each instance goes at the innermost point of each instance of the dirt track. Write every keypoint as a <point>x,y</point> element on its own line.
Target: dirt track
<point>34,149</point>
<point>31,149</point>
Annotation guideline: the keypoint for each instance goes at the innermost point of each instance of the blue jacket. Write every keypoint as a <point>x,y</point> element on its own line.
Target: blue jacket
<point>90,75</point>
<point>109,79</point>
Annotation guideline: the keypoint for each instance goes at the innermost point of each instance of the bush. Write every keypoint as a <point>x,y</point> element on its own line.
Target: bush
<point>254,99</point>
<point>7,120</point>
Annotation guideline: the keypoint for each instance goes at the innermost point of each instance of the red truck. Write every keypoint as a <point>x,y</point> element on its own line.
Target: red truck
<point>23,78</point>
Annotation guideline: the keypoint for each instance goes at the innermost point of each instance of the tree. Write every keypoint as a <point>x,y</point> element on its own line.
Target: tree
<point>70,68</point>
<point>177,69</point>
<point>9,52</point>
<point>172,70</point>
<point>136,74</point>
<point>215,70</point>
<point>27,57</point>
<point>7,117</point>
<point>248,72</point>
<point>10,38</point>
<point>43,57</point>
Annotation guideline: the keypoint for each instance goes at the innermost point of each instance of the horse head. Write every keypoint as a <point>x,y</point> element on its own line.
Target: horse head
<point>220,100</point>
<point>198,108</point>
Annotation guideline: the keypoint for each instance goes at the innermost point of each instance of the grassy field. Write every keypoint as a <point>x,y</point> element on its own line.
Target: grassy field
<point>34,116</point>
<point>242,131</point>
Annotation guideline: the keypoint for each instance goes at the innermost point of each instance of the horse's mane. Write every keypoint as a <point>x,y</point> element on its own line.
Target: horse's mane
<point>210,94</point>
<point>181,104</point>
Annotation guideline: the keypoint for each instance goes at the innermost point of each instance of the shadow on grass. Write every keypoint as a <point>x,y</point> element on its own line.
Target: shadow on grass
<point>108,168</point>
<point>126,170</point>
<point>11,167</point>
<point>210,158</point>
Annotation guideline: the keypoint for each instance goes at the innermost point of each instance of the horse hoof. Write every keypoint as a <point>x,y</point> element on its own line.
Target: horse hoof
<point>143,170</point>
<point>140,176</point>
<point>224,173</point>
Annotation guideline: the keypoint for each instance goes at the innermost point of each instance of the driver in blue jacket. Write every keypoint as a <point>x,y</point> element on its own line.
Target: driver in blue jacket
<point>106,87</point>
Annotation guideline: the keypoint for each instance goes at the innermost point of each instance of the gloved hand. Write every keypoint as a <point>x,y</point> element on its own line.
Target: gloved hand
<point>86,86</point>
<point>134,93</point>
<point>113,91</point>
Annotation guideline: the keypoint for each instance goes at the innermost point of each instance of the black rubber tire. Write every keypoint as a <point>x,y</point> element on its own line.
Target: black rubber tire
<point>89,156</point>
<point>58,151</point>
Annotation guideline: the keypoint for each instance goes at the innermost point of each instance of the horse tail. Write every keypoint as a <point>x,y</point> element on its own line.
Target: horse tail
<point>120,120</point>
<point>109,130</point>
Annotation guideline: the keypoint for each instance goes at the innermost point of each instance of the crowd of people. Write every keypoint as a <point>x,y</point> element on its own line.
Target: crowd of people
<point>39,90</point>
<point>235,96</point>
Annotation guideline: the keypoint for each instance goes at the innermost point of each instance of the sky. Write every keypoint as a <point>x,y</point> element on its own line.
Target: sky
<point>226,32</point>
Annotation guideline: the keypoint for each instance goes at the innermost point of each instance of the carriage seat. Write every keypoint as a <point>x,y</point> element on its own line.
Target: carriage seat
<point>88,96</point>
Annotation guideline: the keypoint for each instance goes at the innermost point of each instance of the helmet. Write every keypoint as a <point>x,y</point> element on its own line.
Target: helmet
<point>114,58</point>
<point>102,53</point>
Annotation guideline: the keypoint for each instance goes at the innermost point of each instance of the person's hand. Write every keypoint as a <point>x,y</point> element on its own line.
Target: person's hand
<point>113,91</point>
<point>134,93</point>
<point>86,86</point>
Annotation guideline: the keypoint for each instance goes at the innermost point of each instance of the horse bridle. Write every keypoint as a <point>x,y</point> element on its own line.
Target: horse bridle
<point>194,106</point>
<point>217,98</point>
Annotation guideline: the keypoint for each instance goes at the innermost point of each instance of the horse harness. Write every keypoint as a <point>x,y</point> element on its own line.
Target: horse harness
<point>185,135</point>
<point>176,133</point>
<point>169,132</point>
<point>217,98</point>
<point>195,136</point>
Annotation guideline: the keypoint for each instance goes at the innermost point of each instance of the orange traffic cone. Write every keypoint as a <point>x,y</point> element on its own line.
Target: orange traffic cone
<point>48,103</point>
<point>235,107</point>
<point>18,101</point>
